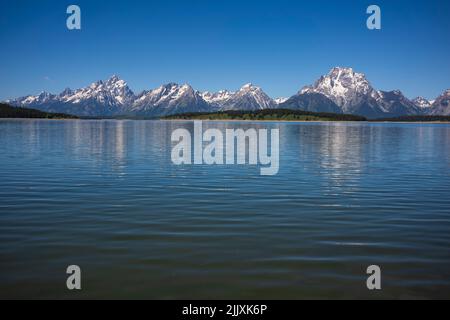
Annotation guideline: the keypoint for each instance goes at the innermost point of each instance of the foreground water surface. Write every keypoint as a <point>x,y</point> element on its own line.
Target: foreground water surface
<point>105,195</point>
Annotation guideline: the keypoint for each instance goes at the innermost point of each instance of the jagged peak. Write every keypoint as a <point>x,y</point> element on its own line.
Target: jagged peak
<point>66,91</point>
<point>186,86</point>
<point>115,81</point>
<point>170,85</point>
<point>169,89</point>
<point>341,70</point>
<point>250,87</point>
<point>340,77</point>
<point>114,78</point>
<point>216,97</point>
<point>422,102</point>
<point>96,84</point>
<point>44,94</point>
<point>397,91</point>
<point>343,86</point>
<point>220,92</point>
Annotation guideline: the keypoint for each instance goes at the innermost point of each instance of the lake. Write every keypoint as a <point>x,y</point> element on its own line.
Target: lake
<point>104,195</point>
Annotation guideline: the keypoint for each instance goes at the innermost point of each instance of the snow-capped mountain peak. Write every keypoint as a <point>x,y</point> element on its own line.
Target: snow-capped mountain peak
<point>217,98</point>
<point>343,86</point>
<point>421,102</point>
<point>114,78</point>
<point>353,93</point>
<point>113,92</point>
<point>248,86</point>
<point>169,92</point>
<point>43,97</point>
<point>168,99</point>
<point>107,97</point>
<point>248,97</point>
<point>342,90</point>
<point>441,106</point>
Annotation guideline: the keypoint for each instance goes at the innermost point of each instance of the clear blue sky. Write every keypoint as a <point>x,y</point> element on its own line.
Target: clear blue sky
<point>279,45</point>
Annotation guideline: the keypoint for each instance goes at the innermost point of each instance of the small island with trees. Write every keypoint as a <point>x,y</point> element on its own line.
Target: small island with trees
<point>266,115</point>
<point>295,115</point>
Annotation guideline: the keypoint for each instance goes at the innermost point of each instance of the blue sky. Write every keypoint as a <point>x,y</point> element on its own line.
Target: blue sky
<point>279,45</point>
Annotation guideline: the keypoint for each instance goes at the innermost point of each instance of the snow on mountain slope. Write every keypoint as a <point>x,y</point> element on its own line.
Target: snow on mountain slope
<point>101,98</point>
<point>354,94</point>
<point>422,102</point>
<point>32,101</point>
<point>342,90</point>
<point>113,92</point>
<point>344,87</point>
<point>169,99</point>
<point>249,97</point>
<point>217,98</point>
<point>441,106</point>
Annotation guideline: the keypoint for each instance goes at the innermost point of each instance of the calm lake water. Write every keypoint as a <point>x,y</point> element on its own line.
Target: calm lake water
<point>105,195</point>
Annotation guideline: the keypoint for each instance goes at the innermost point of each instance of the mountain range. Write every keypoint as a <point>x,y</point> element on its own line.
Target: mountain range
<point>342,90</point>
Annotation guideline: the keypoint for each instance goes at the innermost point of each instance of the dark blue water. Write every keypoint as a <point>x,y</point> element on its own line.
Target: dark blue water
<point>105,195</point>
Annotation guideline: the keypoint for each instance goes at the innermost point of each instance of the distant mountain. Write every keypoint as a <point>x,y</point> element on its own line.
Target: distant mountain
<point>249,97</point>
<point>394,103</point>
<point>353,94</point>
<point>101,98</point>
<point>341,91</point>
<point>168,99</point>
<point>217,99</point>
<point>441,106</point>
<point>346,88</point>
<point>422,103</point>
